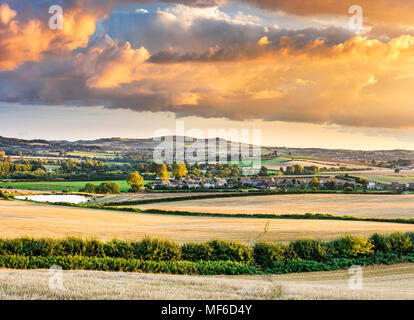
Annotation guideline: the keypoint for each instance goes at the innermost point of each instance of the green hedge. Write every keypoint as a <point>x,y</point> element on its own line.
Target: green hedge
<point>267,253</point>
<point>397,242</point>
<point>194,268</point>
<point>294,266</point>
<point>209,256</point>
<point>146,249</point>
<point>127,265</point>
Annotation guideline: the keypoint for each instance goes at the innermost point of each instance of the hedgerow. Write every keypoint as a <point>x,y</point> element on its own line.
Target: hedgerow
<point>212,257</point>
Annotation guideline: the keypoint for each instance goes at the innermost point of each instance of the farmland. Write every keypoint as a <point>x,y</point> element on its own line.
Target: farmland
<point>380,282</point>
<point>359,205</point>
<point>59,185</point>
<point>19,218</point>
<point>387,178</point>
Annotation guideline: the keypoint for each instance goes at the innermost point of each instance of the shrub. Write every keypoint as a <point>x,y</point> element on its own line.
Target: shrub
<point>411,236</point>
<point>309,249</point>
<point>197,252</point>
<point>398,243</point>
<point>380,242</point>
<point>156,250</point>
<point>73,246</point>
<point>108,187</point>
<point>89,188</point>
<point>230,251</point>
<point>94,248</point>
<point>266,253</point>
<point>27,246</point>
<point>351,246</point>
<point>118,249</point>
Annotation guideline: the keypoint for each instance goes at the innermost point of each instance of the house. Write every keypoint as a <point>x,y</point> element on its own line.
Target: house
<point>410,186</point>
<point>396,186</point>
<point>371,185</point>
<point>221,182</point>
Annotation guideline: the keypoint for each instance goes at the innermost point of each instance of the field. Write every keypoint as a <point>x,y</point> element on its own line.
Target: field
<point>358,205</point>
<point>388,178</point>
<point>149,196</point>
<point>20,218</point>
<point>60,185</point>
<point>99,155</point>
<point>384,282</point>
<point>275,164</point>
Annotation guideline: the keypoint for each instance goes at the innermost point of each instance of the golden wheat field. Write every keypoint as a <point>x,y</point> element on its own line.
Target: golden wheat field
<point>20,218</point>
<point>358,205</point>
<point>378,282</point>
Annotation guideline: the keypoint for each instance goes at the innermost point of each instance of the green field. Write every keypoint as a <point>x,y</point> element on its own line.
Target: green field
<point>388,179</point>
<point>60,185</point>
<point>275,160</point>
<point>265,162</point>
<point>102,155</point>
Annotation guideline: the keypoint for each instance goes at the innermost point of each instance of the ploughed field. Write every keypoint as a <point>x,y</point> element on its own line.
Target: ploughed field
<point>358,205</point>
<point>20,218</point>
<point>149,196</point>
<point>383,282</point>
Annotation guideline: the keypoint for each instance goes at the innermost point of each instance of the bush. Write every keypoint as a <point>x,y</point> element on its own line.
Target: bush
<point>351,246</point>
<point>380,242</point>
<point>118,249</point>
<point>156,250</point>
<point>89,188</point>
<point>230,251</point>
<point>309,249</point>
<point>128,265</point>
<point>108,187</point>
<point>197,252</point>
<point>411,236</point>
<point>73,246</point>
<point>398,243</point>
<point>28,246</point>
<point>266,253</point>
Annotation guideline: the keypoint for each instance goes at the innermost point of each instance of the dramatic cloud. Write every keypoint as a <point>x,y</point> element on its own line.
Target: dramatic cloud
<point>200,61</point>
<point>109,65</point>
<point>25,34</point>
<point>376,11</point>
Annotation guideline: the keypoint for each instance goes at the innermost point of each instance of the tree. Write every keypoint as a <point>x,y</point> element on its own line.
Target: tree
<point>331,185</point>
<point>89,188</point>
<point>196,172</point>
<point>163,172</point>
<point>179,170</point>
<point>374,162</point>
<point>2,155</point>
<point>397,170</point>
<point>263,171</point>
<point>314,183</point>
<point>135,180</point>
<point>108,187</point>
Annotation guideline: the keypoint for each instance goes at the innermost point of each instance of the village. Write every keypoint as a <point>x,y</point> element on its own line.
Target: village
<point>276,184</point>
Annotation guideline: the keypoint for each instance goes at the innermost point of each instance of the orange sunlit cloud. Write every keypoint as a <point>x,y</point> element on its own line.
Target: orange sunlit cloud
<point>342,84</point>
<point>29,40</point>
<point>246,71</point>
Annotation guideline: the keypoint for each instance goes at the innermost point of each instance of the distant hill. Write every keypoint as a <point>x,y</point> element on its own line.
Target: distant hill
<point>123,145</point>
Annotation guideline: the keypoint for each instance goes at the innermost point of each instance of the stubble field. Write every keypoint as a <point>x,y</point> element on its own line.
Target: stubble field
<point>384,282</point>
<point>358,205</point>
<point>19,218</point>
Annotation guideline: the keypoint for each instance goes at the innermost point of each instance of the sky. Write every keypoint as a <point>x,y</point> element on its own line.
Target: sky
<point>299,71</point>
